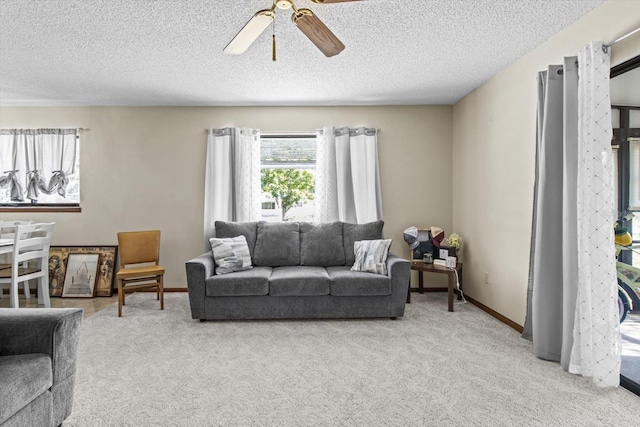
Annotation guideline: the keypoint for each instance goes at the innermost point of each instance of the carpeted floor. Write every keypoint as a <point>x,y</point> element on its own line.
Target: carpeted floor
<point>430,368</point>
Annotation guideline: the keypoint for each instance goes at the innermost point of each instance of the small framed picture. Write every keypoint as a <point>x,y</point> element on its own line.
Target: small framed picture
<point>57,260</point>
<point>81,275</point>
<point>106,271</point>
<point>445,251</point>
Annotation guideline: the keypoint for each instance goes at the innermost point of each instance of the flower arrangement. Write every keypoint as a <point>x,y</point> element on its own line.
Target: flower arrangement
<point>454,240</point>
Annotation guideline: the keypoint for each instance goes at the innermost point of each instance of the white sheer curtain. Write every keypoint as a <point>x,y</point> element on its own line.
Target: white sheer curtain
<point>572,313</point>
<point>347,175</point>
<point>232,180</point>
<point>596,335</point>
<point>35,161</point>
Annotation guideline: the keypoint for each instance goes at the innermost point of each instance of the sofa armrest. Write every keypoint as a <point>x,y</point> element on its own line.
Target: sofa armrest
<point>399,271</point>
<point>199,269</point>
<point>52,331</point>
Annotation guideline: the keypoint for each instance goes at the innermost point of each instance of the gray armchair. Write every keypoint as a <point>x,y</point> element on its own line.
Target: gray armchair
<point>38,350</point>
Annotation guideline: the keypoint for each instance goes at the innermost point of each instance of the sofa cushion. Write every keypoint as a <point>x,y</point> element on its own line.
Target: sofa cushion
<point>354,232</point>
<point>230,254</point>
<point>233,229</point>
<point>345,282</point>
<point>239,283</point>
<point>321,244</point>
<point>371,256</point>
<point>299,281</point>
<point>277,244</point>
<point>22,378</point>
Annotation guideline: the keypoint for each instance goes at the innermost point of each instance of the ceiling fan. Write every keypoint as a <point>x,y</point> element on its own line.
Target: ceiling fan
<point>304,19</point>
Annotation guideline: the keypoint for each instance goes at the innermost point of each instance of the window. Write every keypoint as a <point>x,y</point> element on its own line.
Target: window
<point>39,168</point>
<point>288,164</point>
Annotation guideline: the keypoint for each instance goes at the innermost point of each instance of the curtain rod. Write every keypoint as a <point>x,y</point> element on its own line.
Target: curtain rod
<point>287,134</point>
<point>284,133</point>
<point>279,133</point>
<point>619,39</point>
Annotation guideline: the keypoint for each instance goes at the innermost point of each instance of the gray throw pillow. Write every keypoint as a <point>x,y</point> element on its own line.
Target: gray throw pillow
<point>277,244</point>
<point>230,254</point>
<point>232,229</point>
<point>371,256</point>
<point>321,244</point>
<point>354,232</point>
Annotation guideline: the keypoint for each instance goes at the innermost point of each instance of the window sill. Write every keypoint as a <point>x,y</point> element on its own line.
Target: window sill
<point>31,208</point>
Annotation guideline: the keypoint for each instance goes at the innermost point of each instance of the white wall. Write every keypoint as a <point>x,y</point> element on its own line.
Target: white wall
<point>143,168</point>
<point>494,156</point>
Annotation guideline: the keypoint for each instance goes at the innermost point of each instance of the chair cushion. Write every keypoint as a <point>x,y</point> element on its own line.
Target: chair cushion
<point>371,256</point>
<point>299,281</point>
<point>22,378</point>
<point>233,229</point>
<point>277,244</point>
<point>230,254</point>
<point>321,244</point>
<point>137,272</point>
<point>239,283</point>
<point>354,232</point>
<point>345,282</point>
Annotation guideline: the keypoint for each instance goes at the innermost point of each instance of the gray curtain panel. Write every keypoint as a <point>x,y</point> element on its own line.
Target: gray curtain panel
<point>553,269</point>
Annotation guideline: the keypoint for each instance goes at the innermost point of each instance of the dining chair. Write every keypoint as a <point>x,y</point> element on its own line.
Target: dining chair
<point>29,261</point>
<point>139,265</point>
<point>7,231</point>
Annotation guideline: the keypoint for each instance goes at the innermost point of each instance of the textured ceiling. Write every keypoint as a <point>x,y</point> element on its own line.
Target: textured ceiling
<point>169,52</point>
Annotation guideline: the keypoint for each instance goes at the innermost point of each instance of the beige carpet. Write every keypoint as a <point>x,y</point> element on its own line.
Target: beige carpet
<point>430,368</point>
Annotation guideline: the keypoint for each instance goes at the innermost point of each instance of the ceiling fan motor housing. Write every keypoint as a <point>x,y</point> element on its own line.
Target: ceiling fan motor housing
<point>284,4</point>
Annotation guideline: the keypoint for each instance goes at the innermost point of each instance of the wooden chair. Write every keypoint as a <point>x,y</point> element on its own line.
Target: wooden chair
<point>139,265</point>
<point>31,243</point>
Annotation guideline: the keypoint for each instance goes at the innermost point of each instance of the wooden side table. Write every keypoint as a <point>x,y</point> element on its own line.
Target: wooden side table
<point>421,267</point>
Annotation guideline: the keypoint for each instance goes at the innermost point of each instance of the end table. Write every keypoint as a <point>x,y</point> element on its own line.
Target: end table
<point>421,267</point>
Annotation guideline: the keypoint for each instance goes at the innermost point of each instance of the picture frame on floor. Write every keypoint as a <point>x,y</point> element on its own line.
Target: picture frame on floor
<point>105,276</point>
<point>81,275</point>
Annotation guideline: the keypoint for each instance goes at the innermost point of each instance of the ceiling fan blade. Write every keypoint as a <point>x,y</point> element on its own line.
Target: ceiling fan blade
<point>317,32</point>
<point>332,1</point>
<point>250,32</point>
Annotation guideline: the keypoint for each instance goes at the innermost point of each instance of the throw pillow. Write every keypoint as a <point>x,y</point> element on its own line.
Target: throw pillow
<point>371,256</point>
<point>230,254</point>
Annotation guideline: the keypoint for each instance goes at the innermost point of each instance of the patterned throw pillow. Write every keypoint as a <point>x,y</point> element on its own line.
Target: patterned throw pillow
<point>230,254</point>
<point>371,256</point>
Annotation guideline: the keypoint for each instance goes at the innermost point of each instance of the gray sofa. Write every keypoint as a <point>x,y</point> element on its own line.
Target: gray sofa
<point>38,350</point>
<point>301,270</point>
